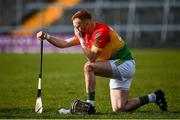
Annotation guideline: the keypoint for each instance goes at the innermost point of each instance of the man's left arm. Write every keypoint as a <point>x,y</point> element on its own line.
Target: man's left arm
<point>91,54</point>
<point>100,40</point>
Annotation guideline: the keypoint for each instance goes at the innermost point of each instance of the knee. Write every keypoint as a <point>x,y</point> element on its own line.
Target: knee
<point>88,67</point>
<point>119,108</point>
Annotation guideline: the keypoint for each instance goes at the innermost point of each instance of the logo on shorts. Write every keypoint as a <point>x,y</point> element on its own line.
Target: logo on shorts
<point>118,62</point>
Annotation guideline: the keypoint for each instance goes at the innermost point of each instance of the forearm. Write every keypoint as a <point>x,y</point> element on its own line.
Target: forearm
<point>58,42</point>
<point>91,55</point>
<point>88,53</point>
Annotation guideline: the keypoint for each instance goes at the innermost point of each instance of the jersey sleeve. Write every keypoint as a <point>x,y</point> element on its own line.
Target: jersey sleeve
<point>101,38</point>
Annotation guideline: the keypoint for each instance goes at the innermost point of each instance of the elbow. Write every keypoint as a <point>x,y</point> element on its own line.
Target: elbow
<point>91,56</point>
<point>91,59</point>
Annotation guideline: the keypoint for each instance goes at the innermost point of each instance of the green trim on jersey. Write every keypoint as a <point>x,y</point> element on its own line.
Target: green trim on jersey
<point>123,54</point>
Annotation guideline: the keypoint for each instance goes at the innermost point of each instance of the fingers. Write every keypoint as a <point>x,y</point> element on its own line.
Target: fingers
<point>41,35</point>
<point>77,32</point>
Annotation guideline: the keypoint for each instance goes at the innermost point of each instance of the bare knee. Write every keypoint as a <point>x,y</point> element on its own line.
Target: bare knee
<point>88,67</point>
<point>119,109</point>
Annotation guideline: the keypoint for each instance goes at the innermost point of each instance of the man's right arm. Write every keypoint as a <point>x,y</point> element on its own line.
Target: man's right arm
<point>58,42</point>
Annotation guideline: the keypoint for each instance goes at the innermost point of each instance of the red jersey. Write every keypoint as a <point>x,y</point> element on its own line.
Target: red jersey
<point>105,39</point>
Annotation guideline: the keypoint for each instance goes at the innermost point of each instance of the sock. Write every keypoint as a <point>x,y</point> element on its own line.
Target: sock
<point>91,97</point>
<point>92,102</point>
<point>143,100</point>
<point>152,97</point>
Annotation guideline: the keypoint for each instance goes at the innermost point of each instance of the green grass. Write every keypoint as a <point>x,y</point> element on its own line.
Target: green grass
<point>63,82</point>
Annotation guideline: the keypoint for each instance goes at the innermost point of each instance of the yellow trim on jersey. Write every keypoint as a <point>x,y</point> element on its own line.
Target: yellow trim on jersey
<point>96,49</point>
<point>112,47</point>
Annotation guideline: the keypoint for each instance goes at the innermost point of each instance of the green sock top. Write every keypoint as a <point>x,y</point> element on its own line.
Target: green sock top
<point>91,96</point>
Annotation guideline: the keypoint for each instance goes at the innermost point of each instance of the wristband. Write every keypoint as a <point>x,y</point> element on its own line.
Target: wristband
<point>82,41</point>
<point>48,36</point>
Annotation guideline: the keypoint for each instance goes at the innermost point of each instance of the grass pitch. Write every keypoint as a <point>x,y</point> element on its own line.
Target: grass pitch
<point>63,82</point>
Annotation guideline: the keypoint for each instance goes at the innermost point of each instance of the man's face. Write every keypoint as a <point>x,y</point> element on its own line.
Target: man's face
<point>80,25</point>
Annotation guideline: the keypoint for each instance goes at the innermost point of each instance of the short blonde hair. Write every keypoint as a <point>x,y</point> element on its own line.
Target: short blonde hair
<point>82,15</point>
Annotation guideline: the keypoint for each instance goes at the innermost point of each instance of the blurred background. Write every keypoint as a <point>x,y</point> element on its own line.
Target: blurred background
<point>141,23</point>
